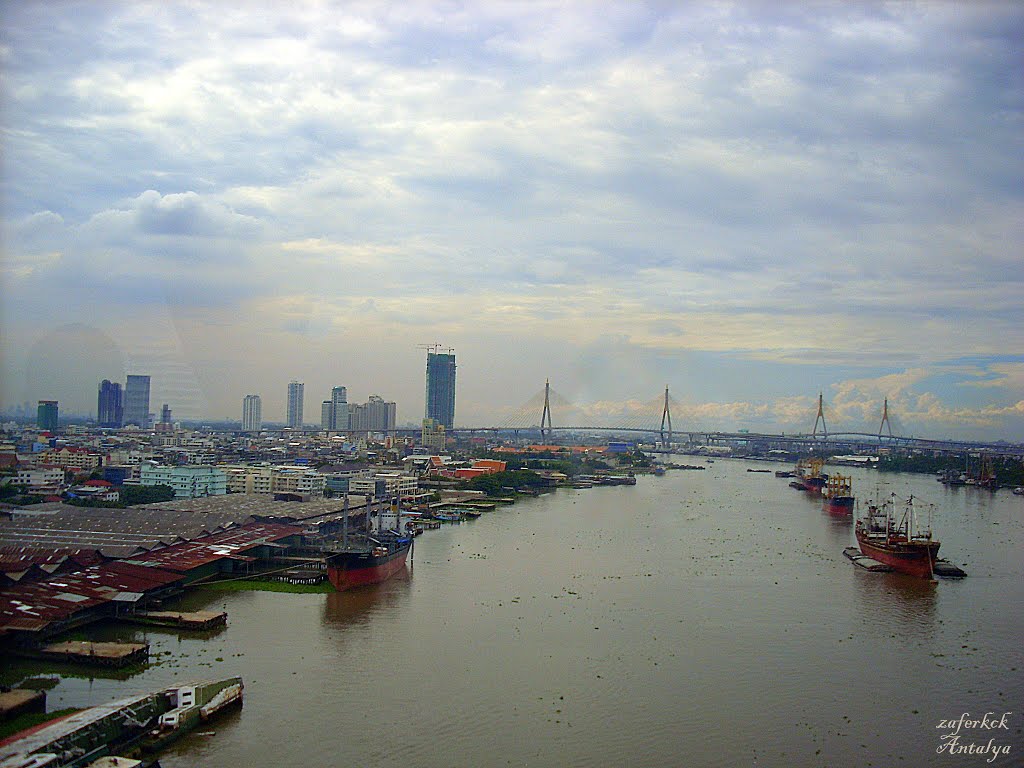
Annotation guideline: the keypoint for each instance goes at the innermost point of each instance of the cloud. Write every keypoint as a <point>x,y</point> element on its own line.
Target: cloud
<point>826,193</point>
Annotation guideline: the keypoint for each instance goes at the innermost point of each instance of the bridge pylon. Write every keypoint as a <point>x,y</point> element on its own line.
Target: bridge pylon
<point>885,420</point>
<point>545,432</point>
<point>820,418</point>
<point>666,417</point>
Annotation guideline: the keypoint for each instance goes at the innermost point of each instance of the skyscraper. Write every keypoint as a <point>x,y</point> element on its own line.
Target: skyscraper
<point>375,416</point>
<point>326,414</point>
<point>109,405</point>
<point>252,413</point>
<point>136,401</point>
<point>440,398</point>
<point>339,409</point>
<point>296,393</point>
<point>46,415</point>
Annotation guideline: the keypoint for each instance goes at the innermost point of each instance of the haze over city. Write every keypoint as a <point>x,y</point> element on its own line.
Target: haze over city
<point>751,203</point>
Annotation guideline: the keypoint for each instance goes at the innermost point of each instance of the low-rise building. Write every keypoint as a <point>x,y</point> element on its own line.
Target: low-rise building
<point>70,457</point>
<point>385,484</point>
<point>338,477</point>
<point>40,480</point>
<point>188,482</point>
<point>266,478</point>
<point>96,490</point>
<point>39,475</point>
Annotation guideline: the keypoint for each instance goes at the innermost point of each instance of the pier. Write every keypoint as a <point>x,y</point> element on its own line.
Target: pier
<point>85,652</point>
<point>198,620</point>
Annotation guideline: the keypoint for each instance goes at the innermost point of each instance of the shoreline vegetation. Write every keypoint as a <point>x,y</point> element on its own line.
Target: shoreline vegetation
<point>1009,472</point>
<point>248,585</point>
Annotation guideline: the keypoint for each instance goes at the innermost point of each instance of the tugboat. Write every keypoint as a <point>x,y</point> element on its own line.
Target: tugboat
<point>371,556</point>
<point>902,543</point>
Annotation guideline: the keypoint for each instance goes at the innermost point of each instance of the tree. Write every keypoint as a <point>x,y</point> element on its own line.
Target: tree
<point>145,494</point>
<point>493,484</point>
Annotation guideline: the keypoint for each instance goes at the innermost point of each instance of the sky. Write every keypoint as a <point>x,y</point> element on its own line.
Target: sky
<point>748,202</point>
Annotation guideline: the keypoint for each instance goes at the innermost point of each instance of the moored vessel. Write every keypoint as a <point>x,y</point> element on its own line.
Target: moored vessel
<point>376,560</point>
<point>810,476</point>
<point>839,496</point>
<point>371,556</point>
<point>901,541</point>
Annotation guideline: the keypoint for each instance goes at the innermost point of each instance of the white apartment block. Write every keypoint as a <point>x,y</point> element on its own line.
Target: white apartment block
<point>189,482</point>
<point>396,483</point>
<point>264,478</point>
<point>252,413</point>
<point>40,477</point>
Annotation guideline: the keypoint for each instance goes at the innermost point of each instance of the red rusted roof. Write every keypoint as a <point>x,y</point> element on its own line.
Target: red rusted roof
<point>20,558</point>
<point>33,607</point>
<point>235,542</point>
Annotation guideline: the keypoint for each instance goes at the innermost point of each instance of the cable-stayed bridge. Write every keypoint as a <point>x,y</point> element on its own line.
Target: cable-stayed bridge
<point>548,414</point>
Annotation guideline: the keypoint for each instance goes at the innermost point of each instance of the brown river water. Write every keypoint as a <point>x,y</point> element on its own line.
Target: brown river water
<point>703,618</point>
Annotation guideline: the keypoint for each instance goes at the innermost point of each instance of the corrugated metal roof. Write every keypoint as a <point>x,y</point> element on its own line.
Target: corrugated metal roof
<point>34,606</point>
<point>202,551</point>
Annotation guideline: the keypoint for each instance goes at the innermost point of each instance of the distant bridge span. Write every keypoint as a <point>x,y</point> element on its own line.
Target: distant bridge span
<point>863,440</point>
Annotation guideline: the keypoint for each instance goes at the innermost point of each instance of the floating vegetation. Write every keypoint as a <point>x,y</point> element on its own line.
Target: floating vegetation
<point>249,585</point>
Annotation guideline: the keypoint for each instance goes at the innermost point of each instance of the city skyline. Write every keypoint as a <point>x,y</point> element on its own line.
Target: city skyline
<point>752,203</point>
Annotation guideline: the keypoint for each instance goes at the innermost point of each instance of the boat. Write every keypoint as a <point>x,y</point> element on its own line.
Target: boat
<point>986,477</point>
<point>123,730</point>
<point>808,473</point>
<point>898,540</point>
<point>838,496</point>
<point>371,556</point>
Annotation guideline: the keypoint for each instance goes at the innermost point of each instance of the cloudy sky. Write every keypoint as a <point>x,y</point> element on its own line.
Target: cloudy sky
<point>749,202</point>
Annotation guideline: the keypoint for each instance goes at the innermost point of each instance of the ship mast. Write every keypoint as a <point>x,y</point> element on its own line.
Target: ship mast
<point>344,523</point>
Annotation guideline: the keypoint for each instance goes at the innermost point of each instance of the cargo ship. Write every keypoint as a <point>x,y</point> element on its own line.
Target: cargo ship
<point>376,559</point>
<point>900,542</point>
<point>838,496</point>
<point>809,475</point>
<point>371,556</point>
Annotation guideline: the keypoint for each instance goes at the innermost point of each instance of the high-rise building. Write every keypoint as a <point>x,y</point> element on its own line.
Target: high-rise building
<point>46,415</point>
<point>165,424</point>
<point>136,401</point>
<point>109,405</point>
<point>252,413</point>
<point>296,392</point>
<point>339,409</point>
<point>440,397</point>
<point>326,415</point>
<point>374,416</point>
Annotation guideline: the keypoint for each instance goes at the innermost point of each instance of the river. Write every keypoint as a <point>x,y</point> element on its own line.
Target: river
<point>703,618</point>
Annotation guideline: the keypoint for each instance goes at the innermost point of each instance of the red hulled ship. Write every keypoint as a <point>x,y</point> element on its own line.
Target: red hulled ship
<point>377,560</point>
<point>371,556</point>
<point>900,542</point>
<point>809,475</point>
<point>838,496</point>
